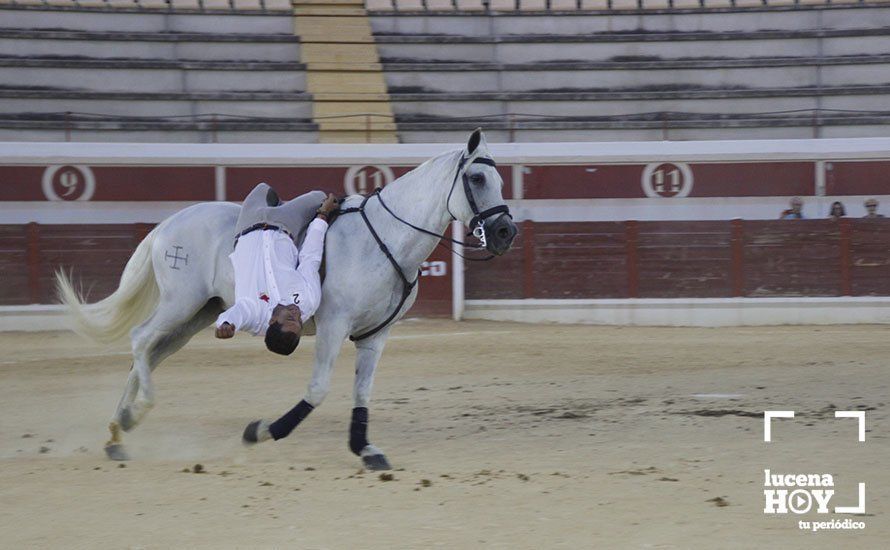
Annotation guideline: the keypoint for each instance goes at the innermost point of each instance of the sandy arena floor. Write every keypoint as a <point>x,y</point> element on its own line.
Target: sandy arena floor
<point>502,436</point>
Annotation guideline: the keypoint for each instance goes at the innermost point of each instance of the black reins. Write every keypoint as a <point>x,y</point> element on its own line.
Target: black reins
<point>477,223</point>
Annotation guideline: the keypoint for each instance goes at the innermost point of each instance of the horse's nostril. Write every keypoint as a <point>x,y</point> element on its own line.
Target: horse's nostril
<point>503,233</point>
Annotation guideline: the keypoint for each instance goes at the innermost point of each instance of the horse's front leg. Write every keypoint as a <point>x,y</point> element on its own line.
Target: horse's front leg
<point>367,355</point>
<point>328,341</point>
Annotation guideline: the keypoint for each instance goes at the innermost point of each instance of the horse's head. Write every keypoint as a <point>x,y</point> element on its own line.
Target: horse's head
<point>476,198</point>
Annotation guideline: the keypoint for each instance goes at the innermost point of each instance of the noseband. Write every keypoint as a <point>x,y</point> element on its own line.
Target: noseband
<point>477,223</point>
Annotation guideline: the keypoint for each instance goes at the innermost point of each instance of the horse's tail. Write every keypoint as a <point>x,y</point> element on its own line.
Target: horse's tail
<point>111,319</point>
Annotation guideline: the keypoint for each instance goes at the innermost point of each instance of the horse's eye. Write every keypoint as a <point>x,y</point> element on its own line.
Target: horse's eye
<point>477,179</point>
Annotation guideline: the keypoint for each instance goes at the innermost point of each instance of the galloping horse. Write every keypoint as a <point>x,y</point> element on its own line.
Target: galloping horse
<point>372,261</point>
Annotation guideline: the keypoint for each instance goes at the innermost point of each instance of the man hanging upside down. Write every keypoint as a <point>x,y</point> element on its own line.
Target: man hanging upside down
<point>277,286</point>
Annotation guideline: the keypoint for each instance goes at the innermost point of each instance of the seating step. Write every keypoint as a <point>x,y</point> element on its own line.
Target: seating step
<point>626,36</point>
<point>209,135</point>
<point>599,47</point>
<point>631,63</point>
<point>95,122</point>
<point>116,17</point>
<point>21,101</point>
<point>645,93</point>
<point>153,80</point>
<point>138,63</point>
<point>61,93</point>
<point>652,120</point>
<point>140,36</point>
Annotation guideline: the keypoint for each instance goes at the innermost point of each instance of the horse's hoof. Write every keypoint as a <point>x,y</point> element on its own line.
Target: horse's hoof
<point>126,420</point>
<point>116,451</point>
<point>255,432</point>
<point>376,462</point>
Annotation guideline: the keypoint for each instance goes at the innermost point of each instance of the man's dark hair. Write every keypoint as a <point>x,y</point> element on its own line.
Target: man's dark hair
<point>278,341</point>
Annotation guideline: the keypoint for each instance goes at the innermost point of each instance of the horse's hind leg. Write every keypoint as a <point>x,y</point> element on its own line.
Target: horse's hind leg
<point>367,356</point>
<point>113,447</point>
<point>153,341</point>
<point>164,325</point>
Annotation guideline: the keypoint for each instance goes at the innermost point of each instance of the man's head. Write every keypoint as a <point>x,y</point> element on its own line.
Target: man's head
<point>796,204</point>
<point>871,205</point>
<point>285,327</point>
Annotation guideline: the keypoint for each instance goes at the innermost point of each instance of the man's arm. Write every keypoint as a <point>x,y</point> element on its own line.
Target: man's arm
<point>313,245</point>
<point>242,316</point>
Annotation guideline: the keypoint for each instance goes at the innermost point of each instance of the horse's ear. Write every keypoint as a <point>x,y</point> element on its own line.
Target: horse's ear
<point>474,141</point>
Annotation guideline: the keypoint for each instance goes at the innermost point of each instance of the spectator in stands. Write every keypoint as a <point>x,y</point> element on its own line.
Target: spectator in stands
<point>793,213</point>
<point>871,209</point>
<point>837,211</point>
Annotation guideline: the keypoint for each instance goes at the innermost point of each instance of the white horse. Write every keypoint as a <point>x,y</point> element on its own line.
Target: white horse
<point>167,301</point>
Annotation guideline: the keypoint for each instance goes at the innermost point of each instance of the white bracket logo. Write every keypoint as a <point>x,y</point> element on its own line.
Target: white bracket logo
<point>854,414</point>
<point>810,486</point>
<point>769,415</point>
<point>767,421</point>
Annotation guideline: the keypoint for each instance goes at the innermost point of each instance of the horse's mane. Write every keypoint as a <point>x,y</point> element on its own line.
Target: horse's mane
<point>439,166</point>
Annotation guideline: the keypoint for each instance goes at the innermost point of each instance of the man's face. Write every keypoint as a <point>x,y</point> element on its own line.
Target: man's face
<point>289,318</point>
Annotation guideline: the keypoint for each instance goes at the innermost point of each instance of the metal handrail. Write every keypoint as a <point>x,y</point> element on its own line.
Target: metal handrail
<point>441,6</point>
<point>493,117</point>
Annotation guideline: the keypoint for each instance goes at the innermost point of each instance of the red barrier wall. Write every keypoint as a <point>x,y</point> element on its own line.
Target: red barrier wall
<point>687,259</point>
<point>630,259</point>
<point>96,255</point>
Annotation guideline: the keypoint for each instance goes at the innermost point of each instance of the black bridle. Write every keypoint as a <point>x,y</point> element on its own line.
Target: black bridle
<point>477,225</point>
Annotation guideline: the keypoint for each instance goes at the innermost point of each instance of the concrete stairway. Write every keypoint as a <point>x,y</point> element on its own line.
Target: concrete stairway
<point>134,76</point>
<point>344,74</point>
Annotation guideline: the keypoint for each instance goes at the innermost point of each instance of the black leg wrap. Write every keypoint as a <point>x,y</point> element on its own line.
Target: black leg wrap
<point>285,425</point>
<point>358,430</point>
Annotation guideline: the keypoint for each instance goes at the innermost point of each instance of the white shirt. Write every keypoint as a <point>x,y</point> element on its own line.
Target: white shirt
<point>269,271</point>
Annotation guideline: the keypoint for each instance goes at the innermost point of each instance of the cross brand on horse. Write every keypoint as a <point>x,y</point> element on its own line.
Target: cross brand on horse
<point>366,276</point>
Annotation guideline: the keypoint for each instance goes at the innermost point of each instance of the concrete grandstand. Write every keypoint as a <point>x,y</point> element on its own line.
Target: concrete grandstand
<point>426,71</point>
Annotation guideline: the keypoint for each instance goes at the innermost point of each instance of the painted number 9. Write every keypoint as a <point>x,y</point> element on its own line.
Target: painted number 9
<point>68,183</point>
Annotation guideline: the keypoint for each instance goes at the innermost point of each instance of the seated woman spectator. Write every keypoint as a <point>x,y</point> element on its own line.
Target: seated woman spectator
<point>837,210</point>
<point>871,209</point>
